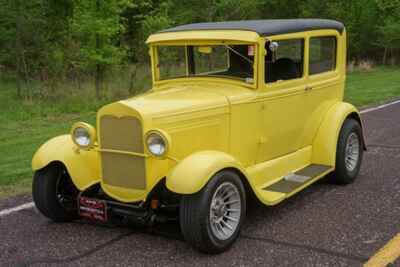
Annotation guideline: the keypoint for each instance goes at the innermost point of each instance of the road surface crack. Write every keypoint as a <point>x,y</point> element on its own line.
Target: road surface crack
<point>79,256</point>
<point>151,231</point>
<point>309,248</point>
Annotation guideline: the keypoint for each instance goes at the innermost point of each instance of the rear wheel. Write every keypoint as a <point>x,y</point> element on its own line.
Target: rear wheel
<point>54,194</point>
<point>211,219</point>
<point>349,153</point>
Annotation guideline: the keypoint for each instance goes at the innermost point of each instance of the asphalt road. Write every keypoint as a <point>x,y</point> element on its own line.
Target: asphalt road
<point>325,225</point>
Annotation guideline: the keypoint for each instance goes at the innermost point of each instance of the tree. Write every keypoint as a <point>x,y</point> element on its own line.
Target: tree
<point>132,18</point>
<point>389,31</point>
<point>359,17</point>
<point>282,9</point>
<point>97,25</point>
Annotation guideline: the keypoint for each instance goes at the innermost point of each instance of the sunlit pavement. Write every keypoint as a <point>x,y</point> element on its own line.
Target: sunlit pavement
<point>325,225</point>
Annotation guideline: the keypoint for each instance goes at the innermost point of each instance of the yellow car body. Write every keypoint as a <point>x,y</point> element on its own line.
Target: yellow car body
<point>262,131</point>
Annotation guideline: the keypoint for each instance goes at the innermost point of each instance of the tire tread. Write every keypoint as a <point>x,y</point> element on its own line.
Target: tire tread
<point>44,195</point>
<point>341,175</point>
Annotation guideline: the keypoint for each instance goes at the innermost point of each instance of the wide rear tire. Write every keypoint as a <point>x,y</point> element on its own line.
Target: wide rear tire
<point>54,193</point>
<point>211,219</point>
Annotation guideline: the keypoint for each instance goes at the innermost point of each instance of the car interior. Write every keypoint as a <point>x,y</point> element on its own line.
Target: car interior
<point>240,63</point>
<point>282,67</point>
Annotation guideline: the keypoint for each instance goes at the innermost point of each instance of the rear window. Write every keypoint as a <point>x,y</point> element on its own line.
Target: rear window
<point>322,54</point>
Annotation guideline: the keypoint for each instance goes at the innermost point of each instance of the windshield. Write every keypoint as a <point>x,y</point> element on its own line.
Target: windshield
<point>223,61</point>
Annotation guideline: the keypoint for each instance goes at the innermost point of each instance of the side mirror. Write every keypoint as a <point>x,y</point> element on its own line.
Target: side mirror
<point>273,46</point>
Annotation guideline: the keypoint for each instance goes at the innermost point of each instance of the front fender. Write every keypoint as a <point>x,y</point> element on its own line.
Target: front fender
<point>82,166</point>
<point>325,142</point>
<point>193,173</point>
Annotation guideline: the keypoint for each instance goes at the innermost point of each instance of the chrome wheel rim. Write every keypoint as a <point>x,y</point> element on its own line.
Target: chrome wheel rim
<point>352,153</point>
<point>225,211</point>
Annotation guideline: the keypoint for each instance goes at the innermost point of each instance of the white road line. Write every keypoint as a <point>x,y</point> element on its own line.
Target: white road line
<point>380,107</point>
<point>25,206</point>
<point>30,205</point>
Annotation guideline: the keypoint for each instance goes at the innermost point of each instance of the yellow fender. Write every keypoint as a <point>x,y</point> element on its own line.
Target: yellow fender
<point>325,142</point>
<point>193,173</point>
<point>83,166</point>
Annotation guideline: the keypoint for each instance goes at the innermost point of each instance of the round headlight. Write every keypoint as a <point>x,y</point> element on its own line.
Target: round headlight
<point>156,144</point>
<point>83,135</point>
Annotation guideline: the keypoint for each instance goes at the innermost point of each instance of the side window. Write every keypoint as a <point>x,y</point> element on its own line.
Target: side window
<point>322,54</point>
<point>284,60</point>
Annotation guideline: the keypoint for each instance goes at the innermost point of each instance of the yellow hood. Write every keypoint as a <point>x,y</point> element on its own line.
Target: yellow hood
<point>180,98</point>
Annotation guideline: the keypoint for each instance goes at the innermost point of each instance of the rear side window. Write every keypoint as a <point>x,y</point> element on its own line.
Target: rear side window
<point>322,54</point>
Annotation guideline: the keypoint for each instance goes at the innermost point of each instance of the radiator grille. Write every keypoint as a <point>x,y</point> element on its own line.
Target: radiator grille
<point>123,134</point>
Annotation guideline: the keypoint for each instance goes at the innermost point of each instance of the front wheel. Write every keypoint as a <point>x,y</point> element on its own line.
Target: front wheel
<point>54,194</point>
<point>349,153</point>
<point>211,219</point>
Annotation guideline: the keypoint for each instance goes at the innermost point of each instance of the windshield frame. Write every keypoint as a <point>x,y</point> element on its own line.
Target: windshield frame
<point>155,63</point>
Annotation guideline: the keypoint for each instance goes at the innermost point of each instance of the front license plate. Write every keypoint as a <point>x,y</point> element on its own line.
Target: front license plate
<point>93,209</point>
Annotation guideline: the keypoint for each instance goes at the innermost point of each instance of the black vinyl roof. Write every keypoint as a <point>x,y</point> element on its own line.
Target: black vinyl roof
<point>264,27</point>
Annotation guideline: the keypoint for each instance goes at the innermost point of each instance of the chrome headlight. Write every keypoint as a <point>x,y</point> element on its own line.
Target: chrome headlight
<point>83,135</point>
<point>157,143</point>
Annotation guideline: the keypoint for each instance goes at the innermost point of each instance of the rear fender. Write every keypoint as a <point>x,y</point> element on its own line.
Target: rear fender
<point>325,142</point>
<point>83,166</point>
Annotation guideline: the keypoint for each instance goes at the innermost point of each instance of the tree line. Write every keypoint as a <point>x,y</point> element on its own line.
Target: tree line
<point>60,40</point>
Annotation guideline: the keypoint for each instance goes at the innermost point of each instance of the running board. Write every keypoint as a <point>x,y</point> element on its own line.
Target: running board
<point>294,181</point>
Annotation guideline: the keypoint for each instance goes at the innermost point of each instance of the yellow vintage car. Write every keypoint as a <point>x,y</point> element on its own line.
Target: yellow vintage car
<point>237,109</point>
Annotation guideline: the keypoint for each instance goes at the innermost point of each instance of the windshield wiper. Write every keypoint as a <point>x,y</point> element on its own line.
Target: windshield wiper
<point>239,54</point>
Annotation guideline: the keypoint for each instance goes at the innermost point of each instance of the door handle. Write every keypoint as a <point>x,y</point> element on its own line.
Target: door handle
<point>308,88</point>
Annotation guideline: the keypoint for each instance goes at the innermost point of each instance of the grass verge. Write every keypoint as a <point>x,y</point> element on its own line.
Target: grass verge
<point>369,88</point>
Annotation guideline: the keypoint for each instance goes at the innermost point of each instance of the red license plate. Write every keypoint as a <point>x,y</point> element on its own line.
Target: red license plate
<point>93,209</point>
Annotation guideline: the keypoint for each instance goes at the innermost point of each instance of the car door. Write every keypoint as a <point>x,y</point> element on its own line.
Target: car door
<point>324,81</point>
<point>284,111</point>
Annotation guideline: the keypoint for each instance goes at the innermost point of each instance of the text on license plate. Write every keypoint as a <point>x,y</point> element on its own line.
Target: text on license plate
<point>93,209</point>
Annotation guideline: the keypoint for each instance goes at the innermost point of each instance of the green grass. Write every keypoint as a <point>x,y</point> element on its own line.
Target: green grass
<point>374,87</point>
<point>25,125</point>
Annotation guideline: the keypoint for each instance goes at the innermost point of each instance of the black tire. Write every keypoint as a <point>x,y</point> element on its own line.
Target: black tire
<point>342,175</point>
<point>194,215</point>
<point>49,185</point>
